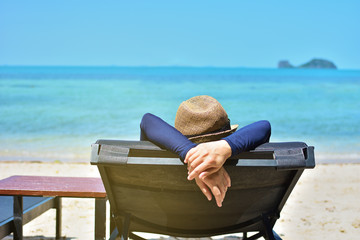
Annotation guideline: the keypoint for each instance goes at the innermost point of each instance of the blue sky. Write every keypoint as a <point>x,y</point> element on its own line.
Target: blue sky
<point>181,33</point>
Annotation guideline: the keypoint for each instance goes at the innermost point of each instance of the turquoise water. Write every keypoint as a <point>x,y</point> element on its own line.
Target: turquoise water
<point>55,113</point>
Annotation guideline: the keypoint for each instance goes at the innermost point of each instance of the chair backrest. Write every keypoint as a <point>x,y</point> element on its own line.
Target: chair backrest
<point>149,184</point>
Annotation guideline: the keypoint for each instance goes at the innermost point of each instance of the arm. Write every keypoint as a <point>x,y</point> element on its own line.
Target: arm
<point>207,158</point>
<point>249,137</point>
<point>164,135</point>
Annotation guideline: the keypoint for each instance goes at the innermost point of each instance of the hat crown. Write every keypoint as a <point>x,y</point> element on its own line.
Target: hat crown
<point>200,115</point>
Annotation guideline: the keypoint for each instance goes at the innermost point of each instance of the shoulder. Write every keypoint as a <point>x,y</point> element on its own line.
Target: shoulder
<point>265,123</point>
<point>149,117</point>
<point>146,118</point>
<point>261,124</point>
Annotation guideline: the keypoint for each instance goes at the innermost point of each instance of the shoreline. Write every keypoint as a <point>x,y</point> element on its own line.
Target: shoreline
<point>323,204</point>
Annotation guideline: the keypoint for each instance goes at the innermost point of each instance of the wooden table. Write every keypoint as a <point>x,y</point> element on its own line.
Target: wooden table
<point>58,187</point>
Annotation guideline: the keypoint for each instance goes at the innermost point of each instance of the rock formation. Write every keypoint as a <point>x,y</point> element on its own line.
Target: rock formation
<point>314,63</point>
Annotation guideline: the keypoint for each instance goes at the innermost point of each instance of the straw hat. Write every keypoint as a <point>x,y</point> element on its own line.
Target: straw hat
<point>203,119</point>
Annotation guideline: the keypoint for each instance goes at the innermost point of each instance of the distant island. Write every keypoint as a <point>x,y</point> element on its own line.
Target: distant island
<point>314,63</point>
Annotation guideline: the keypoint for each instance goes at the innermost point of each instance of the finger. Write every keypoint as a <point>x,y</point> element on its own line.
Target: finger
<point>194,156</point>
<point>225,184</point>
<point>222,184</point>
<point>223,190</point>
<point>204,189</point>
<point>192,164</point>
<point>224,194</point>
<point>207,173</point>
<point>227,177</point>
<point>199,165</point>
<point>196,171</point>
<point>229,180</point>
<point>189,154</point>
<point>217,194</point>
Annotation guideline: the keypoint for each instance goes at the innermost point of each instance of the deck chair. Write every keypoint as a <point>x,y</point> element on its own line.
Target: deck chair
<point>32,208</point>
<point>148,190</point>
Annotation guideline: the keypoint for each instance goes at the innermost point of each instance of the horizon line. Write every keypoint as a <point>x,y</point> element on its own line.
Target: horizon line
<point>167,66</point>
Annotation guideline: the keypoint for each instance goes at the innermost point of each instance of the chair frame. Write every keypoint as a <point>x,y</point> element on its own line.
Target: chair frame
<point>290,156</point>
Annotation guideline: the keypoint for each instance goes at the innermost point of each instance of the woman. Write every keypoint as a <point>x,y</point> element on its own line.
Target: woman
<point>203,138</point>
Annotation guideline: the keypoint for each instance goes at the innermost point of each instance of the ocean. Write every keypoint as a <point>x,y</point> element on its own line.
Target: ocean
<point>56,113</point>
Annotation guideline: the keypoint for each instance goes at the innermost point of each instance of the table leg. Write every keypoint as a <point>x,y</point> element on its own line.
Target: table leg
<point>58,206</point>
<point>100,218</point>
<point>18,217</point>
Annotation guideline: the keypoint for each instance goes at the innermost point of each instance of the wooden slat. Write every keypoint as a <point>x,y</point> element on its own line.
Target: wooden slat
<point>53,186</point>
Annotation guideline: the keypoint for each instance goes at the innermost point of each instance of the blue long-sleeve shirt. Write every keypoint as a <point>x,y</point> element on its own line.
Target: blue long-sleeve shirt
<point>158,131</point>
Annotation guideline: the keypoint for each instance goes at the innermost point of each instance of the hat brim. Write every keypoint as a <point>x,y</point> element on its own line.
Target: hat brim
<point>213,136</point>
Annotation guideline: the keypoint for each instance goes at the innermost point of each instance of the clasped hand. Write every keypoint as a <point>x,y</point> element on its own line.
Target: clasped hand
<point>205,165</point>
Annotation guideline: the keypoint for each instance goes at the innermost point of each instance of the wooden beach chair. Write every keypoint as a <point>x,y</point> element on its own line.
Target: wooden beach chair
<point>148,190</point>
<point>32,208</point>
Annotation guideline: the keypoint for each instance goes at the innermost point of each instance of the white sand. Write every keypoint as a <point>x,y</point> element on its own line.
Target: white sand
<point>323,205</point>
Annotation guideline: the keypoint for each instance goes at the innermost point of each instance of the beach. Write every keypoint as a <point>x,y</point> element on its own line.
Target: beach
<point>323,204</point>
<point>50,116</point>
<point>74,75</point>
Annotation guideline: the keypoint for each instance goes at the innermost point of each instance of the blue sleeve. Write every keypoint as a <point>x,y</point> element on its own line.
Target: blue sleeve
<point>159,132</point>
<point>249,137</point>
